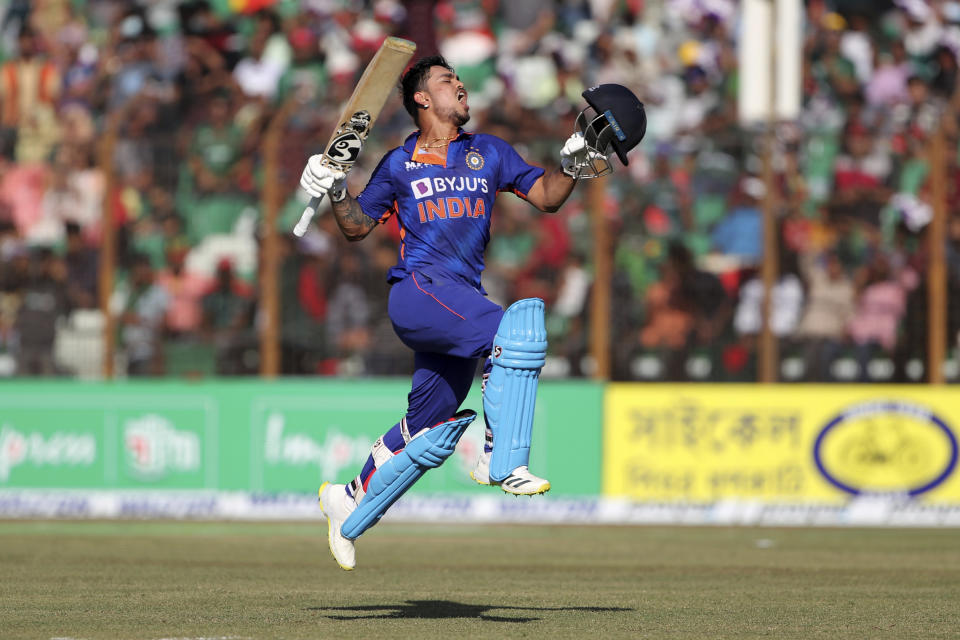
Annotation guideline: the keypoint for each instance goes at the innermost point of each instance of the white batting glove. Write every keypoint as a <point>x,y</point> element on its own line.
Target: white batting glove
<point>575,155</point>
<point>319,179</point>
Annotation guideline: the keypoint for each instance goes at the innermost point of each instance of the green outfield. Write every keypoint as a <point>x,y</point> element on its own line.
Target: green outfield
<point>152,580</point>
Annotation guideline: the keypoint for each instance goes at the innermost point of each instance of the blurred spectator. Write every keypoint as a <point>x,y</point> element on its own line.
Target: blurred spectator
<point>135,147</point>
<point>944,81</point>
<point>216,149</point>
<point>43,303</point>
<point>923,29</point>
<point>227,318</point>
<point>306,78</point>
<point>918,115</point>
<point>834,74</point>
<point>887,85</point>
<point>258,73</point>
<point>740,232</point>
<point>204,71</point>
<point>133,63</point>
<point>524,26</point>
<point>669,306</point>
<point>303,309</point>
<point>80,199</point>
<point>348,312</point>
<point>700,100</point>
<point>83,265</point>
<point>184,291</point>
<point>856,45</point>
<point>199,21</point>
<point>29,89</point>
<point>861,171</point>
<point>142,320</point>
<point>786,304</point>
<point>829,309</point>
<point>667,204</point>
<point>881,304</point>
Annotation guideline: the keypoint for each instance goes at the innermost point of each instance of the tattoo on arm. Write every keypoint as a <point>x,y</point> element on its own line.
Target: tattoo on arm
<point>353,222</point>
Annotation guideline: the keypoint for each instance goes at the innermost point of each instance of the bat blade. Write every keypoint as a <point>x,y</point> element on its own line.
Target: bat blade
<point>360,113</point>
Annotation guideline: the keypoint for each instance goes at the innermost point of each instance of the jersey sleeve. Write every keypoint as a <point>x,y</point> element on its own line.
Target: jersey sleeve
<point>379,199</point>
<point>515,174</point>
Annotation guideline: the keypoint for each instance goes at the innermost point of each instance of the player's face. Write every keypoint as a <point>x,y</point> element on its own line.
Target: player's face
<point>448,97</point>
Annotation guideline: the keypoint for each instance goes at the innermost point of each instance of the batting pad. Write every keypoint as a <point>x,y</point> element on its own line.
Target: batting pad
<point>510,395</point>
<point>426,450</point>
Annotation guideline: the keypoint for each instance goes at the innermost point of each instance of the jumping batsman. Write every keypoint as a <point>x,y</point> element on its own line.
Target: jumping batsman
<point>441,184</point>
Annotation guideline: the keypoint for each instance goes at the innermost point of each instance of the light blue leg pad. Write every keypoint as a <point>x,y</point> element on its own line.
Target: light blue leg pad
<point>426,450</point>
<point>510,395</point>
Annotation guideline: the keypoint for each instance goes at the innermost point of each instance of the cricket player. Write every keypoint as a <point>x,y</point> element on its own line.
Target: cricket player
<point>441,185</point>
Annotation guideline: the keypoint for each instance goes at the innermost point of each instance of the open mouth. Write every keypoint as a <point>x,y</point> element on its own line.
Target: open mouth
<point>462,96</point>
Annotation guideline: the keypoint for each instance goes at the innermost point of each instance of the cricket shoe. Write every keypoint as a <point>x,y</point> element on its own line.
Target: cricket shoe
<point>481,473</point>
<point>520,482</point>
<point>337,506</point>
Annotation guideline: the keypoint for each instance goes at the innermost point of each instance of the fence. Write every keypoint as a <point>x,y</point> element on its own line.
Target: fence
<point>828,455</point>
<point>599,339</point>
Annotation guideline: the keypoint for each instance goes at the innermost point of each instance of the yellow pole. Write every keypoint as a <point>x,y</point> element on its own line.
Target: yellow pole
<point>108,247</point>
<point>600,321</point>
<point>768,352</point>
<point>937,266</point>
<point>270,254</point>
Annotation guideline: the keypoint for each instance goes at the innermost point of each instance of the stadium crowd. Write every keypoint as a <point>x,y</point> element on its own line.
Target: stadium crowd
<point>192,89</point>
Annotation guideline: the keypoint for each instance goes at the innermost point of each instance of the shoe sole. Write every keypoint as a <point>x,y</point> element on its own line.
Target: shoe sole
<point>542,489</point>
<point>478,481</point>
<point>329,527</point>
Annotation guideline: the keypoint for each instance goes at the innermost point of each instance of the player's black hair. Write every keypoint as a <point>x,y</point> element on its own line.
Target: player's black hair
<point>416,78</point>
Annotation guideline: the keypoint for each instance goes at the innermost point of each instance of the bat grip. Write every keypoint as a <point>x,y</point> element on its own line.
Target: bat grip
<point>308,213</point>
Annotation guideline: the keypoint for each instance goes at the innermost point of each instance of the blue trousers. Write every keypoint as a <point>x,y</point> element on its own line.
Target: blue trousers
<point>450,326</point>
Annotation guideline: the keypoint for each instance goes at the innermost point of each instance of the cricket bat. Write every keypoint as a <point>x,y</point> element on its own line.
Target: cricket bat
<point>360,113</point>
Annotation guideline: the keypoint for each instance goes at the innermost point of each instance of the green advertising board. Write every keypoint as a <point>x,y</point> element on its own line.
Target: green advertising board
<point>258,436</point>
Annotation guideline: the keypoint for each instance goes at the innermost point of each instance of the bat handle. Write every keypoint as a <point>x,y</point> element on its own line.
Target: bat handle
<point>308,213</point>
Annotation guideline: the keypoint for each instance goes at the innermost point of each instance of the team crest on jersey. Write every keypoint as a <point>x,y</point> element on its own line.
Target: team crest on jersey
<point>474,160</point>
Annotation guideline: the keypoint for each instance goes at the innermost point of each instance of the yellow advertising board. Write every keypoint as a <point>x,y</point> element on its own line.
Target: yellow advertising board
<point>796,443</point>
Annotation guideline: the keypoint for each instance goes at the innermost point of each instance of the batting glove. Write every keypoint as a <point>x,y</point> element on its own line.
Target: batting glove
<point>319,179</point>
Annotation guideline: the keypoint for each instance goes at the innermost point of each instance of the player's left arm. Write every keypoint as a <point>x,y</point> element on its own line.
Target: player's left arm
<point>551,190</point>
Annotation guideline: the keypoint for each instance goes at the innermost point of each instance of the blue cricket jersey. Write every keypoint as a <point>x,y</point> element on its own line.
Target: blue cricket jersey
<point>444,211</point>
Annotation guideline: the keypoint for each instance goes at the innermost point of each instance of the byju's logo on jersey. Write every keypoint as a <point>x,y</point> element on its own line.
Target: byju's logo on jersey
<point>422,188</point>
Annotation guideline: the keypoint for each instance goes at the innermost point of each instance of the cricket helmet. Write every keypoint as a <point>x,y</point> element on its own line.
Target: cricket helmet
<point>614,119</point>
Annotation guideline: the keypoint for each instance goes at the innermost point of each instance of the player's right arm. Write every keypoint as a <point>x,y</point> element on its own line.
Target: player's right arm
<point>353,222</point>
<point>320,180</point>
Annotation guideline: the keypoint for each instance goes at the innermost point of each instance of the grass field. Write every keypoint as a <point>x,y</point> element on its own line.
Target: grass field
<point>152,580</point>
